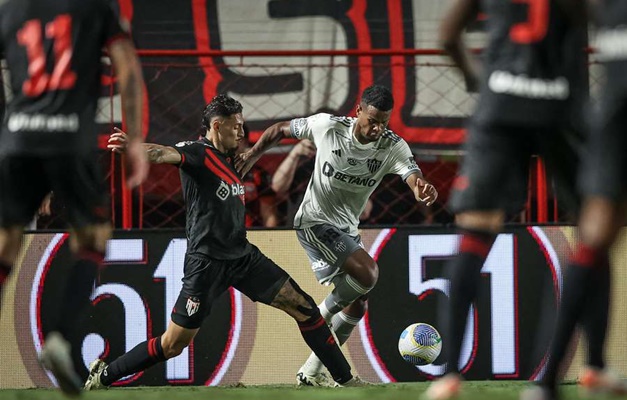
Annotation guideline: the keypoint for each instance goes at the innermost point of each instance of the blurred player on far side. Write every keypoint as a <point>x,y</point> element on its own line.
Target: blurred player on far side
<point>48,141</point>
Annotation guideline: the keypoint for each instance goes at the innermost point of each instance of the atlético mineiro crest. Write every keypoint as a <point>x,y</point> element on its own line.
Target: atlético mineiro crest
<point>373,165</point>
<point>192,306</point>
<point>340,246</point>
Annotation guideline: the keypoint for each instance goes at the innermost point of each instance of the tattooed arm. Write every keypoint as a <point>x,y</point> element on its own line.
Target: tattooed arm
<point>156,153</point>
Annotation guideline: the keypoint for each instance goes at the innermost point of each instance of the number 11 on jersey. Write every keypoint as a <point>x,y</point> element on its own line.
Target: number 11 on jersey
<point>31,37</point>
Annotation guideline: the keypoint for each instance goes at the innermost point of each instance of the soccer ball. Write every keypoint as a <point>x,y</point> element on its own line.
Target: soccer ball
<point>420,344</point>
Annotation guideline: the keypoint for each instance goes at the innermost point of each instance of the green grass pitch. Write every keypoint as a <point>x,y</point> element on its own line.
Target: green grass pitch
<point>501,390</point>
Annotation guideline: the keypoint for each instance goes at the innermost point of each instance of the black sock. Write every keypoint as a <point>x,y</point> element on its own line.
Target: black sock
<point>577,280</point>
<point>79,288</point>
<point>596,314</point>
<point>464,272</point>
<point>141,357</point>
<point>319,338</point>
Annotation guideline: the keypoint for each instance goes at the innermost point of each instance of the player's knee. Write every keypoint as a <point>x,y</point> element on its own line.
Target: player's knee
<point>298,304</point>
<point>10,242</point>
<point>368,274</point>
<point>93,238</point>
<point>599,224</point>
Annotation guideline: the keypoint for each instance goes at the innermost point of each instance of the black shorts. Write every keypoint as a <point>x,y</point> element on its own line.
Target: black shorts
<point>605,169</point>
<point>76,181</point>
<point>495,169</point>
<point>254,274</point>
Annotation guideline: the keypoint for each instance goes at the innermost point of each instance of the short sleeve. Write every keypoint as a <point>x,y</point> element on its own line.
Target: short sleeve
<point>403,161</point>
<point>114,26</point>
<point>192,156</point>
<point>312,128</point>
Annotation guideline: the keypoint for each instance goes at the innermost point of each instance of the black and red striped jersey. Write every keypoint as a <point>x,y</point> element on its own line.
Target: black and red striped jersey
<point>53,51</point>
<point>215,201</point>
<point>535,65</point>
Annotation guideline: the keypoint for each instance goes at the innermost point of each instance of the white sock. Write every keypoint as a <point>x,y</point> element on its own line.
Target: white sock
<point>324,311</point>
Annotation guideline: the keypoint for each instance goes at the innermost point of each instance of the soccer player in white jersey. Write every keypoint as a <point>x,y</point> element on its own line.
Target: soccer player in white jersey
<point>354,154</point>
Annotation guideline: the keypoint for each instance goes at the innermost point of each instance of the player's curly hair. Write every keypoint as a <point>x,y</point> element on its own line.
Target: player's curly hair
<point>379,97</point>
<point>220,106</point>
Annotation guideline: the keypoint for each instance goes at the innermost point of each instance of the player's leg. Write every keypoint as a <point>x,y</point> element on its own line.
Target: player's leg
<point>141,357</point>
<point>10,242</point>
<point>203,282</point>
<point>585,296</point>
<point>18,204</point>
<point>492,162</point>
<point>338,258</point>
<point>262,280</point>
<point>78,184</point>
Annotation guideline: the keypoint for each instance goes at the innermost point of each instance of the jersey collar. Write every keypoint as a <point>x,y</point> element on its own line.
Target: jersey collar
<point>356,142</point>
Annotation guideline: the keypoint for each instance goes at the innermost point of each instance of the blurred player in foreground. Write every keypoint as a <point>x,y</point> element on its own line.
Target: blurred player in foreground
<point>48,141</point>
<point>533,90</point>
<point>353,155</point>
<point>586,293</point>
<point>218,253</point>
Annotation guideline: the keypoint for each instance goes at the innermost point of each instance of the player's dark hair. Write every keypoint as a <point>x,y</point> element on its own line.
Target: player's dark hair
<point>220,106</point>
<point>379,97</point>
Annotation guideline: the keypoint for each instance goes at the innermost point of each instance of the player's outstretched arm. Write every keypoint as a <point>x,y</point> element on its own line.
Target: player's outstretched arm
<point>273,135</point>
<point>424,192</point>
<point>156,153</point>
<point>129,74</point>
<point>459,16</point>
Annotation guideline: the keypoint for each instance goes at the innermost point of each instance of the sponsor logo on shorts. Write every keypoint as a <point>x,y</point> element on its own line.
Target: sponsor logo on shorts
<point>319,265</point>
<point>192,306</point>
<point>340,246</point>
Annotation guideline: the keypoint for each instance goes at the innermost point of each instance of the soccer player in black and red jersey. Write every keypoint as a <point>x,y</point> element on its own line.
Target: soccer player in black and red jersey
<point>48,141</point>
<point>586,293</point>
<point>533,89</point>
<point>218,253</point>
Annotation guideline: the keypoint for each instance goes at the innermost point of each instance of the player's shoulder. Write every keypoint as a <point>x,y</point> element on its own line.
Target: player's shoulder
<point>330,120</point>
<point>191,145</point>
<point>390,140</point>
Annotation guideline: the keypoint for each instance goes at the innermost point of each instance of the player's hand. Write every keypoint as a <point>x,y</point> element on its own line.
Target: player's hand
<point>44,207</point>
<point>304,148</point>
<point>118,141</point>
<point>425,192</point>
<point>245,161</point>
<point>136,163</point>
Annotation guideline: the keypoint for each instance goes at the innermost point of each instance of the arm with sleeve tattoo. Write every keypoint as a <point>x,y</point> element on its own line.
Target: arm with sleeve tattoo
<point>156,153</point>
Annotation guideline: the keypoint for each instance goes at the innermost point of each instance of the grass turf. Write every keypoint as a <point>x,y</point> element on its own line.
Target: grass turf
<point>501,390</point>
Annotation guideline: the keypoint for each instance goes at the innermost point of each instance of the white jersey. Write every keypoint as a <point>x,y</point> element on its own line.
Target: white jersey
<point>346,172</point>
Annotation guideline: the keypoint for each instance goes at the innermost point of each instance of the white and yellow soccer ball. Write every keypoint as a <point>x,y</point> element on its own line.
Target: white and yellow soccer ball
<point>420,344</point>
